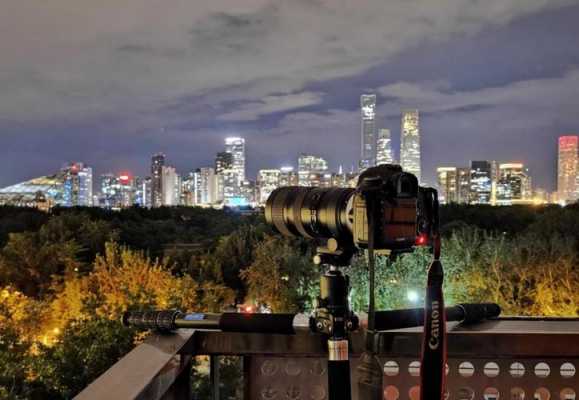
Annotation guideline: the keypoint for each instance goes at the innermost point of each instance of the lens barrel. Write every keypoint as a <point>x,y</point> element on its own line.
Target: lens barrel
<point>310,212</point>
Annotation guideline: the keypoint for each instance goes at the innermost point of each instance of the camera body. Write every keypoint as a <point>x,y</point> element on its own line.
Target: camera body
<point>403,214</point>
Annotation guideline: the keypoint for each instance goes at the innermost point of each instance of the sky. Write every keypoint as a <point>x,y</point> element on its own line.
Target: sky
<point>110,83</point>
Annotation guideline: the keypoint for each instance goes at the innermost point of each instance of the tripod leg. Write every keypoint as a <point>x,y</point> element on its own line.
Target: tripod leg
<point>339,387</point>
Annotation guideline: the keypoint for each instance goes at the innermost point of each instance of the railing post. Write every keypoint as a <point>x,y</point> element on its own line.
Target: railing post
<point>214,376</point>
<point>181,388</point>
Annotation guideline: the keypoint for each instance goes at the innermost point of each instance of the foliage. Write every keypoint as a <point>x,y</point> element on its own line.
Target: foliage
<point>66,277</point>
<point>85,350</point>
<point>280,277</point>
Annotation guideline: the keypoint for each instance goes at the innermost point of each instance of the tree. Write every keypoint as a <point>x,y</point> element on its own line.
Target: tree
<point>84,351</point>
<point>280,276</point>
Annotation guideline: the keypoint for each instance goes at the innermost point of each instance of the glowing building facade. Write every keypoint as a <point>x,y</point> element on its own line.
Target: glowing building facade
<point>568,169</point>
<point>410,143</point>
<point>368,131</point>
<point>267,181</point>
<point>311,170</point>
<point>236,147</point>
<point>77,185</point>
<point>480,182</point>
<point>447,178</point>
<point>171,185</point>
<point>513,185</point>
<point>157,163</point>
<point>384,153</point>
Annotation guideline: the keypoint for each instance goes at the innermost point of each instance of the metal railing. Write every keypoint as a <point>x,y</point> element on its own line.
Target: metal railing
<point>507,358</point>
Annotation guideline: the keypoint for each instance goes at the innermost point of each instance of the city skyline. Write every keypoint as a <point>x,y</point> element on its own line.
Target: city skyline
<point>499,81</point>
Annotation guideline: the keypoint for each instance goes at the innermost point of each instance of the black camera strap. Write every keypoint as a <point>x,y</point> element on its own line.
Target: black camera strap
<point>433,364</point>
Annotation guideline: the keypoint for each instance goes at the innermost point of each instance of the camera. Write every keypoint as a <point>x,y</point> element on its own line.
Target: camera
<point>400,212</point>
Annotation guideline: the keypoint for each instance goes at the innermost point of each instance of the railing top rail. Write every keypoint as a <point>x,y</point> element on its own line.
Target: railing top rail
<point>146,372</point>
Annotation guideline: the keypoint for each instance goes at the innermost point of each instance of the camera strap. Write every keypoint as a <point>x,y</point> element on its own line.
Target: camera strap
<point>433,363</point>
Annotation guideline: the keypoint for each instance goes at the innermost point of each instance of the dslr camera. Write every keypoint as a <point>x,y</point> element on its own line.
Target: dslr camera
<point>387,203</point>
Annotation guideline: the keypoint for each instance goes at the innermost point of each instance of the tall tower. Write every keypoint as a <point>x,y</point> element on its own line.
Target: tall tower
<point>410,143</point>
<point>157,163</point>
<point>236,147</point>
<point>568,169</point>
<point>384,147</point>
<point>368,131</point>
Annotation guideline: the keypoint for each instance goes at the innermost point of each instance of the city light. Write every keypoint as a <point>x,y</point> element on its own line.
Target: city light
<point>412,296</point>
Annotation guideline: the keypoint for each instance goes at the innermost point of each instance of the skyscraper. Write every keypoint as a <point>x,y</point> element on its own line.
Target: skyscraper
<point>568,169</point>
<point>77,185</point>
<point>384,147</point>
<point>236,147</point>
<point>311,170</point>
<point>368,131</point>
<point>447,178</point>
<point>463,184</point>
<point>157,163</point>
<point>205,190</point>
<point>267,181</point>
<point>513,185</point>
<point>117,191</point>
<point>228,185</point>
<point>171,185</point>
<point>480,182</point>
<point>410,143</point>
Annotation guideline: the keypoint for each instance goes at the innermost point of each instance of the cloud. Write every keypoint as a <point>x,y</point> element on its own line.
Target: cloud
<point>538,97</point>
<point>72,59</point>
<point>271,104</point>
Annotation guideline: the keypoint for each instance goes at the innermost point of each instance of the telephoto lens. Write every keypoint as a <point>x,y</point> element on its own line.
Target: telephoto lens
<point>311,212</point>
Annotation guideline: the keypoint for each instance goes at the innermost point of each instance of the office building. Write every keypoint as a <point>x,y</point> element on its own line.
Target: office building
<point>236,147</point>
<point>447,178</point>
<point>568,169</point>
<point>384,153</point>
<point>410,143</point>
<point>77,187</point>
<point>288,177</point>
<point>463,185</point>
<point>157,163</point>
<point>171,184</point>
<point>311,170</point>
<point>513,185</point>
<point>480,182</point>
<point>267,181</point>
<point>368,131</point>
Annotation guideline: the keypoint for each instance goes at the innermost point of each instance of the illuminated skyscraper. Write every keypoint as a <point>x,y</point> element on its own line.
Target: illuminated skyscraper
<point>171,184</point>
<point>368,131</point>
<point>311,170</point>
<point>205,186</point>
<point>77,185</point>
<point>447,184</point>
<point>480,182</point>
<point>463,185</point>
<point>267,181</point>
<point>288,177</point>
<point>157,163</point>
<point>513,185</point>
<point>384,147</point>
<point>568,169</point>
<point>117,191</point>
<point>236,147</point>
<point>410,143</point>
<point>228,186</point>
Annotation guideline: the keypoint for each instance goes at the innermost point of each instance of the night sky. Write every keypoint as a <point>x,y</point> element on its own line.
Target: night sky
<point>109,83</point>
